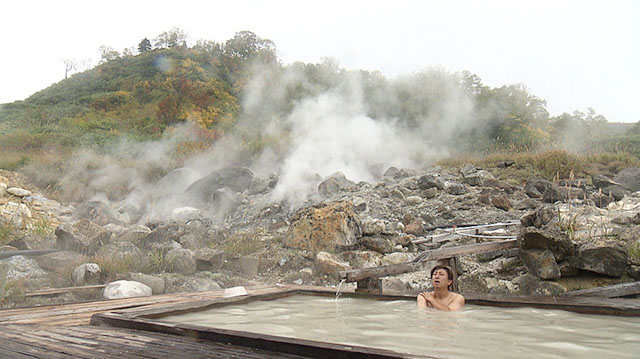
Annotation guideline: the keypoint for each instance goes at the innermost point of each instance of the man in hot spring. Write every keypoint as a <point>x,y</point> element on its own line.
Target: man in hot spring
<point>441,298</point>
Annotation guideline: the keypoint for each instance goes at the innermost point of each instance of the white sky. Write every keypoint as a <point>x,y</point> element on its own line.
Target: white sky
<point>574,54</point>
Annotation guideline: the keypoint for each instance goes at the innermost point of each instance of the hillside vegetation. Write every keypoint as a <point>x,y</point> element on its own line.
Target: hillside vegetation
<point>241,87</point>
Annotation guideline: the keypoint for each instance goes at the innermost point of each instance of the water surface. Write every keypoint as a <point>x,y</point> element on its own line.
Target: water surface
<point>474,332</point>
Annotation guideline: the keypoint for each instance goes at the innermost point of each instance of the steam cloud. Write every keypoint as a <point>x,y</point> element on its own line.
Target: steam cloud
<point>335,126</point>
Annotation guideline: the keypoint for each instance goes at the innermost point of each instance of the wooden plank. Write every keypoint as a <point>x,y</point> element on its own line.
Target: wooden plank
<point>27,253</point>
<point>52,291</point>
<point>611,291</point>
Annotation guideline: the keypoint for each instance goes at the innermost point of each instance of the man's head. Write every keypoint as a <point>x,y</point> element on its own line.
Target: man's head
<point>441,276</point>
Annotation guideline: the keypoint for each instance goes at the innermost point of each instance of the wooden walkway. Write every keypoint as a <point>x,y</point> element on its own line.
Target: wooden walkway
<point>63,331</point>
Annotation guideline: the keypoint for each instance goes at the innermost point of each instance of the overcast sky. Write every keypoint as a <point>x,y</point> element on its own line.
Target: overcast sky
<point>574,54</point>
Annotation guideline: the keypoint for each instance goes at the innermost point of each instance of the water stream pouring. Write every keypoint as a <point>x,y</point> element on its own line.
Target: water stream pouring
<point>339,287</point>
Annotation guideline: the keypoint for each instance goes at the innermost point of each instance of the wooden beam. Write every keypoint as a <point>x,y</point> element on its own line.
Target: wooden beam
<point>52,291</point>
<point>27,253</point>
<point>610,291</point>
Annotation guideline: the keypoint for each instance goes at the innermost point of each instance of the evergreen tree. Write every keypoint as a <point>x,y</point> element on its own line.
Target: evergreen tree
<point>144,46</point>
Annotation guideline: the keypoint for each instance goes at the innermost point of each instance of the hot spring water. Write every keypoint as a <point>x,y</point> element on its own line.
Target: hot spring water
<point>474,332</point>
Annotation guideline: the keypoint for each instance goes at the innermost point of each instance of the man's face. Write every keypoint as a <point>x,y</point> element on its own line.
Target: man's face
<point>440,279</point>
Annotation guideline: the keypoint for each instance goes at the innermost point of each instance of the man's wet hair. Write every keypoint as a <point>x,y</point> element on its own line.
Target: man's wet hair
<point>446,269</point>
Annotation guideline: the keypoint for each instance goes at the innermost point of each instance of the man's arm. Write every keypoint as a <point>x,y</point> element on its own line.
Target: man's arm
<point>456,304</point>
<point>422,300</point>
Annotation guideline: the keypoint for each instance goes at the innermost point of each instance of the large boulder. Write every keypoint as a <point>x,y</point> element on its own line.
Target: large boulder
<point>429,181</point>
<point>209,259</point>
<point>333,184</point>
<point>97,212</point>
<point>324,228</point>
<point>330,265</point>
<point>629,178</point>
<point>541,263</point>
<point>175,182</point>
<point>536,186</point>
<point>547,238</point>
<point>377,244</point>
<point>126,289</point>
<point>604,257</point>
<point>18,192</point>
<point>182,261</point>
<point>56,261</point>
<point>83,236</point>
<point>532,285</point>
<point>203,190</point>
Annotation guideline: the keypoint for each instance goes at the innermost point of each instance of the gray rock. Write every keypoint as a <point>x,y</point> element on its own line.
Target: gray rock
<point>54,262</point>
<point>126,289</point>
<point>526,203</point>
<point>372,227</point>
<point>395,258</point>
<point>182,261</point>
<point>531,285</point>
<point>204,190</point>
<point>396,193</point>
<point>604,257</point>
<point>88,273</point>
<point>634,271</point>
<point>175,182</point>
<point>547,238</point>
<point>429,193</point>
<point>615,191</point>
<point>201,285</point>
<point>501,202</point>
<point>393,284</point>
<point>83,236</point>
<point>377,244</point>
<point>22,267</point>
<point>156,284</point>
<point>333,184</point>
<point>629,178</point>
<point>540,217</point>
<point>327,264</point>
<point>362,259</point>
<point>18,192</point>
<point>248,266</point>
<point>536,186</point>
<point>120,250</point>
<point>456,189</point>
<point>97,212</point>
<point>563,194</point>
<point>602,181</point>
<point>209,259</point>
<point>391,172</point>
<point>413,200</point>
<point>162,236</point>
<point>541,263</point>
<point>3,189</point>
<point>601,200</point>
<point>429,180</point>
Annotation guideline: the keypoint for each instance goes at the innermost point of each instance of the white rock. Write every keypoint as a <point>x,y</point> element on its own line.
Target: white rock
<point>395,258</point>
<point>3,189</point>
<point>18,192</point>
<point>126,289</point>
<point>372,227</point>
<point>413,200</point>
<point>85,273</point>
<point>185,213</point>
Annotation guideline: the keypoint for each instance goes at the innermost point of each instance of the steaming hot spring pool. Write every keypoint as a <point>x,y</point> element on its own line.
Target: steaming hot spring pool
<point>474,332</point>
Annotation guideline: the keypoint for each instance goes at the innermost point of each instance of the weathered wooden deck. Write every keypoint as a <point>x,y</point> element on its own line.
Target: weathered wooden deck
<point>63,331</point>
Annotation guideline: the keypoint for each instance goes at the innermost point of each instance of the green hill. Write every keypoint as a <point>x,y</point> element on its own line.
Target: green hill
<point>141,97</point>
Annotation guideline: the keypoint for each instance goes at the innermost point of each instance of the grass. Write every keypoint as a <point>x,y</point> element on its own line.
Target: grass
<point>7,233</point>
<point>158,262</point>
<point>549,164</point>
<point>241,244</point>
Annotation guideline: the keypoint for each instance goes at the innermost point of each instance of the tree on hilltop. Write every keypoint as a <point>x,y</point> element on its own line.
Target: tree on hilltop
<point>171,39</point>
<point>144,46</point>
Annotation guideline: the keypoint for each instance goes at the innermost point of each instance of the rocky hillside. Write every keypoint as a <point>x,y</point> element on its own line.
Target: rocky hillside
<point>192,233</point>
